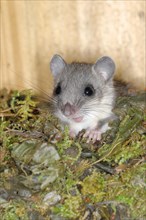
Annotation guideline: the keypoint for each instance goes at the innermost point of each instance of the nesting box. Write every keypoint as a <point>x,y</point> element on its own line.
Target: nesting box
<point>33,31</point>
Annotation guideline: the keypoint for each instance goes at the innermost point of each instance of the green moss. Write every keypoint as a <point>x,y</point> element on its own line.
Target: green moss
<point>79,182</point>
<point>22,103</point>
<point>124,146</point>
<point>68,149</point>
<point>15,211</point>
<point>129,188</point>
<point>93,187</point>
<point>71,207</point>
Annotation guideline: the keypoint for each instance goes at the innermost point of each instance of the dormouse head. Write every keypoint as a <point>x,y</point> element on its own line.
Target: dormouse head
<point>79,88</point>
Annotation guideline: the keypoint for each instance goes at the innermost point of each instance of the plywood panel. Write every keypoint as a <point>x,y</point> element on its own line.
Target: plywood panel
<point>32,31</point>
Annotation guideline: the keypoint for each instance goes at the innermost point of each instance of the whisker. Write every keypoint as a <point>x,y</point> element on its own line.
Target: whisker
<point>96,106</point>
<point>102,110</point>
<point>93,114</point>
<point>32,85</point>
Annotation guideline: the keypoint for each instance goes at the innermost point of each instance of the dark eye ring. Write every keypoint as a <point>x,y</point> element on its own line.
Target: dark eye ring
<point>57,90</point>
<point>89,90</point>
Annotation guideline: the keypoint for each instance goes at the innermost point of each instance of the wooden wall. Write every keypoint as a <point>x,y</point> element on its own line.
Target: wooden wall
<point>33,30</point>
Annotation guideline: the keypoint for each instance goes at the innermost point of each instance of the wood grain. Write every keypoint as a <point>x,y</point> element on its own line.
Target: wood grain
<point>32,31</point>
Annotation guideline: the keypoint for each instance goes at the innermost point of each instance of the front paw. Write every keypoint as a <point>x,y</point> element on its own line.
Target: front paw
<point>92,135</point>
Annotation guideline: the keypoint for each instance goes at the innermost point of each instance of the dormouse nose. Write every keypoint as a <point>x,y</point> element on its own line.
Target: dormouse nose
<point>69,109</point>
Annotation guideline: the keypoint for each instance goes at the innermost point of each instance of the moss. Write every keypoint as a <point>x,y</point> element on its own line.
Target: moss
<point>93,187</point>
<point>79,181</point>
<point>124,146</point>
<point>71,207</point>
<point>15,211</point>
<point>23,104</point>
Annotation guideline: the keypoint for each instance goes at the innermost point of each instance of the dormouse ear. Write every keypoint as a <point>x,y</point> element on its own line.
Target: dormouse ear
<point>57,65</point>
<point>104,66</point>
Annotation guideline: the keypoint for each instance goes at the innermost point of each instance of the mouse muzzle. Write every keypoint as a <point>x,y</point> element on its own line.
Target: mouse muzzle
<point>69,110</point>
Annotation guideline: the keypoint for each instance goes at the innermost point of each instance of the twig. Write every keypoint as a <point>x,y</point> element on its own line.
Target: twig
<point>6,114</point>
<point>35,134</point>
<point>105,168</point>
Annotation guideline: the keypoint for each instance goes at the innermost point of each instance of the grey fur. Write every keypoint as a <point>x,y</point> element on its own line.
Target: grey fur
<point>74,77</point>
<point>105,66</point>
<point>57,65</point>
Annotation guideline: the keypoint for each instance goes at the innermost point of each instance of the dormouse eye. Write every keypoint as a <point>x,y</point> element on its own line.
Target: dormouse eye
<point>89,90</point>
<point>57,90</point>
